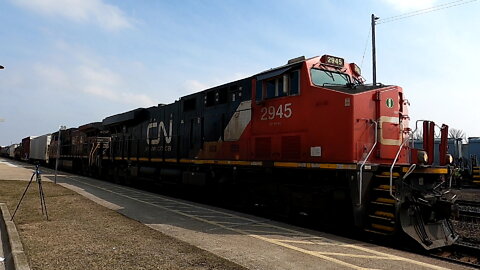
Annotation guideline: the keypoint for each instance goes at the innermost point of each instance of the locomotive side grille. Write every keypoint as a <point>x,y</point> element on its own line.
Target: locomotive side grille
<point>263,148</point>
<point>290,147</point>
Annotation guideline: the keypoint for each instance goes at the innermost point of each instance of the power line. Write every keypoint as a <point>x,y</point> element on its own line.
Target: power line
<point>424,11</point>
<point>366,45</point>
<point>420,10</point>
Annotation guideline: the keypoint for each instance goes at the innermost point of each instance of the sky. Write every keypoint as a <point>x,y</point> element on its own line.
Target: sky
<point>72,62</point>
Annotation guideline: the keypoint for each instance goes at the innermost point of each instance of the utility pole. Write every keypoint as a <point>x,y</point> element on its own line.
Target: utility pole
<point>374,56</point>
<point>1,119</point>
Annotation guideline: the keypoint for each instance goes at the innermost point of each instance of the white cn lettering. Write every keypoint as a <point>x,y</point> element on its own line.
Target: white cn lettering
<point>161,131</point>
<point>168,138</point>
<point>154,141</point>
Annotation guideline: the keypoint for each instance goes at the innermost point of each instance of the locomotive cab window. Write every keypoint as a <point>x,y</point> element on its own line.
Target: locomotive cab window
<point>287,84</point>
<point>321,77</point>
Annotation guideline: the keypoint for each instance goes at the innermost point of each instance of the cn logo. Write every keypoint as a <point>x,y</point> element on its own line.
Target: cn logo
<point>161,131</point>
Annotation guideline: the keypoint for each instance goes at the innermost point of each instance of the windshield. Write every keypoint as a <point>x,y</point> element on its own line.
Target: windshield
<point>322,77</point>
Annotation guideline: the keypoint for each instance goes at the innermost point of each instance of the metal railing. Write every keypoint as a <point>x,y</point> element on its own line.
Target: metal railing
<point>391,169</point>
<point>398,154</point>
<point>360,184</point>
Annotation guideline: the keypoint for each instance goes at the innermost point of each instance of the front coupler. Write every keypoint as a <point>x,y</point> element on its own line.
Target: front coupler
<point>424,216</point>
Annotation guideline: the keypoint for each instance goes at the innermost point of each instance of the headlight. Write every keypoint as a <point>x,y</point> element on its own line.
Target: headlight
<point>422,157</point>
<point>449,159</point>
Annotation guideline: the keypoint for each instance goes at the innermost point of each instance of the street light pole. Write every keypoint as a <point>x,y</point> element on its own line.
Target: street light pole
<point>58,152</point>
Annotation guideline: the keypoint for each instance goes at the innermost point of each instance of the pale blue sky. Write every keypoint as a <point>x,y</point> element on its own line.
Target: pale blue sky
<point>71,62</point>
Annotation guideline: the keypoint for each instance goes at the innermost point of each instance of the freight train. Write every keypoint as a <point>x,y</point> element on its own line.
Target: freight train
<point>467,160</point>
<point>471,160</point>
<point>308,138</point>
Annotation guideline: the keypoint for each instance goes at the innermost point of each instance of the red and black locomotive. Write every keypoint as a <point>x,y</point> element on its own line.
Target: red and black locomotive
<point>307,137</point>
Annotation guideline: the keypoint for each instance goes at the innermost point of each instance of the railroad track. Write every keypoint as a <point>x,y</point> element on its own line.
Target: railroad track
<point>469,211</point>
<point>470,186</point>
<point>462,253</point>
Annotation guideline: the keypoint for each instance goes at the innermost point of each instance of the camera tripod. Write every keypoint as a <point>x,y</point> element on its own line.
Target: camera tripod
<point>43,204</point>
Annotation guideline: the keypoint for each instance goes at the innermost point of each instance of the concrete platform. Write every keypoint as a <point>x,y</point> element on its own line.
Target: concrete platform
<point>253,242</point>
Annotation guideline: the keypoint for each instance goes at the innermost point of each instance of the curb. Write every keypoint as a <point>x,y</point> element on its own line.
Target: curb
<point>18,260</point>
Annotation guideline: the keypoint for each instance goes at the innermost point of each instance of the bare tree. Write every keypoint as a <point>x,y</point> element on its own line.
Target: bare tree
<point>418,135</point>
<point>457,134</point>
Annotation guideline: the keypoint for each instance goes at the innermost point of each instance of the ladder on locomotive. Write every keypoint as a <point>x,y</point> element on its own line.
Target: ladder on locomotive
<point>381,207</point>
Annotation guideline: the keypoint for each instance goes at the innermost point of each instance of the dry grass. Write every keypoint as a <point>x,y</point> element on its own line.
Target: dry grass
<point>83,235</point>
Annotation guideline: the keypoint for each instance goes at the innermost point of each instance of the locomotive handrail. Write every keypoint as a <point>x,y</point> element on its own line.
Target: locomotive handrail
<point>364,161</point>
<point>413,133</point>
<point>391,170</point>
<point>398,154</point>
